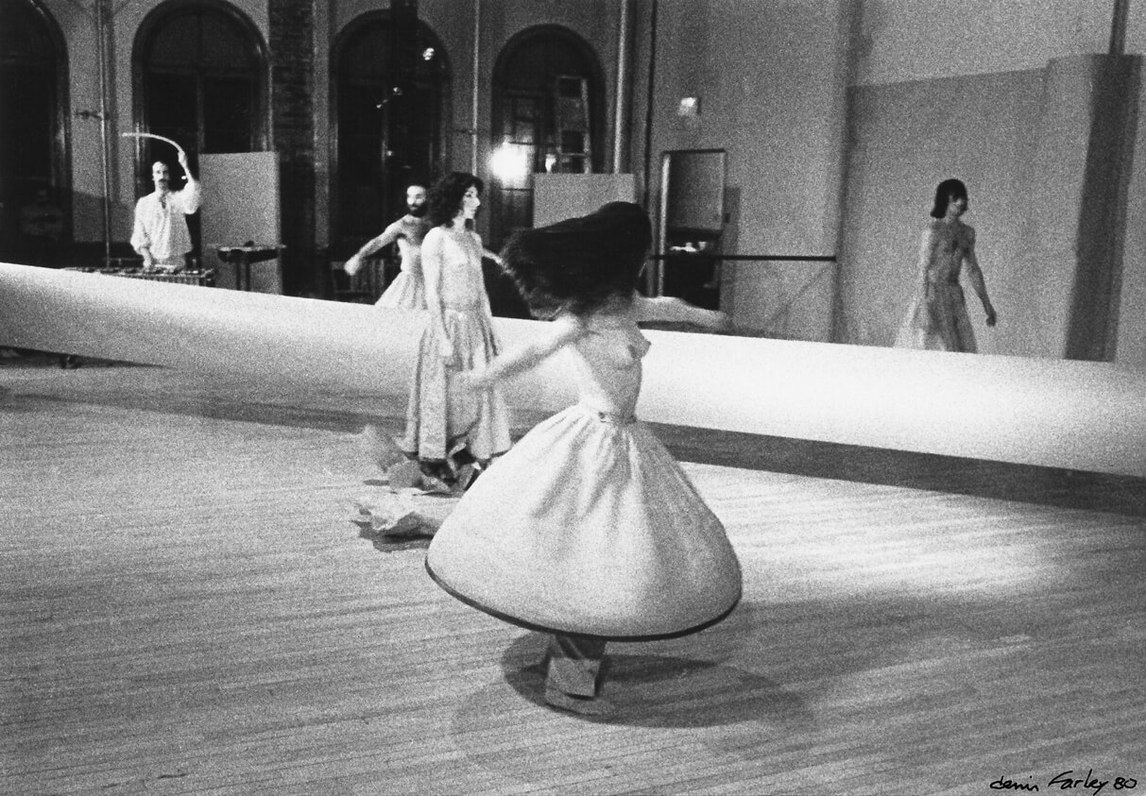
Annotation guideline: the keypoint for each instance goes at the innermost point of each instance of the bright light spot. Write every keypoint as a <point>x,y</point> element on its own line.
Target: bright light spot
<point>510,163</point>
<point>689,106</point>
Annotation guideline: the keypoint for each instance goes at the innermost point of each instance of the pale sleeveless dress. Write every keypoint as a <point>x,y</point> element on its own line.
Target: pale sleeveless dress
<point>442,418</point>
<point>408,290</point>
<point>588,525</point>
<point>937,318</point>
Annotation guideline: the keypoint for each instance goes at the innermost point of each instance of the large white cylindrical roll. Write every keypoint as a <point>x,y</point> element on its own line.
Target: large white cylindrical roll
<point>1076,415</point>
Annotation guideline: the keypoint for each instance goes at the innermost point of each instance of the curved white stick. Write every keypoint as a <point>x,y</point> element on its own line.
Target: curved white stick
<point>152,135</point>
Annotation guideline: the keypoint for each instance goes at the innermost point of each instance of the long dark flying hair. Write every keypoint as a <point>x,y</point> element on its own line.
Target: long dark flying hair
<point>579,264</point>
<point>947,190</point>
<point>445,196</point>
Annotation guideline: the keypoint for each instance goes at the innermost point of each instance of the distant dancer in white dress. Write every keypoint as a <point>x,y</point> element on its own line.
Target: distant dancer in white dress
<point>588,529</point>
<point>407,291</point>
<point>937,319</point>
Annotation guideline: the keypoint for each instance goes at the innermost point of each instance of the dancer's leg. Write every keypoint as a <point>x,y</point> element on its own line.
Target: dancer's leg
<point>574,671</point>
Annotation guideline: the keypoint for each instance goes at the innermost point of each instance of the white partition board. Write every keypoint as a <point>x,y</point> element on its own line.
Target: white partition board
<point>240,204</point>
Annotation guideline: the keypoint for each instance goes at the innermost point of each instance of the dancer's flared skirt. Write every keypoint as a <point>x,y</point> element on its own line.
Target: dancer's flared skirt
<point>938,321</point>
<point>588,526</point>
<point>406,292</point>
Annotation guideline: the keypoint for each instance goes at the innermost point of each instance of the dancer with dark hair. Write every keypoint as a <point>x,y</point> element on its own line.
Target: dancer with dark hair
<point>588,529</point>
<point>937,318</point>
<point>448,428</point>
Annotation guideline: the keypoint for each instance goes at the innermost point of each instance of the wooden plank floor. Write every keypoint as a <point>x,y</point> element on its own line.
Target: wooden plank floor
<point>185,608</point>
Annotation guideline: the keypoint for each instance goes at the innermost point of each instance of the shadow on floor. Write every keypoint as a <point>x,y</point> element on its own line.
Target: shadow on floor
<point>1047,486</point>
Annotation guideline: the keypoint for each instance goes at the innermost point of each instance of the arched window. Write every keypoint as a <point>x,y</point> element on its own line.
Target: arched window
<point>548,113</point>
<point>389,106</point>
<point>33,132</point>
<point>199,69</point>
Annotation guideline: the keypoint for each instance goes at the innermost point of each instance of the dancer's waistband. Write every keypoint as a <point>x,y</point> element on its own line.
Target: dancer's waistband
<point>607,417</point>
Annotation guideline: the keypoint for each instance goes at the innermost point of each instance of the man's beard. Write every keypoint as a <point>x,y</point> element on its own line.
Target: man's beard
<point>417,211</point>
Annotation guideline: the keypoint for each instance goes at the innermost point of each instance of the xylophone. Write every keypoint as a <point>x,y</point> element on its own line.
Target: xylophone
<point>204,278</point>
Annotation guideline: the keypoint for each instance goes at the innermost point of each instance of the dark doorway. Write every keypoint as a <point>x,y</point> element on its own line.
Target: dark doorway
<point>35,215</point>
<point>198,69</point>
<point>389,105</point>
<point>548,106</point>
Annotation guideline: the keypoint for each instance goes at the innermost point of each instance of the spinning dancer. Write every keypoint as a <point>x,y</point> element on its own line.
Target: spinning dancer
<point>937,318</point>
<point>160,235</point>
<point>407,290</point>
<point>448,428</point>
<point>588,528</point>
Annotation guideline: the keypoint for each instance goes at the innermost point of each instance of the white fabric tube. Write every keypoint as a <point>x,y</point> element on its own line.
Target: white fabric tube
<point>1075,415</point>
<point>270,338</point>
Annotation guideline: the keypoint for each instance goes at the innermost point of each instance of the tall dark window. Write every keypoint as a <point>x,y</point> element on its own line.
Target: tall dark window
<point>199,70</point>
<point>33,102</point>
<point>389,105</point>
<point>548,105</point>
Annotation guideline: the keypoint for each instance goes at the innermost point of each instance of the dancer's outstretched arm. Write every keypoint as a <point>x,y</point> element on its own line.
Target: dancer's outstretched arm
<point>561,332</point>
<point>388,236</point>
<point>672,309</point>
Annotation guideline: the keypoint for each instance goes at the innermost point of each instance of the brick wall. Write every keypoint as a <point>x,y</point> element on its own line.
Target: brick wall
<point>292,80</point>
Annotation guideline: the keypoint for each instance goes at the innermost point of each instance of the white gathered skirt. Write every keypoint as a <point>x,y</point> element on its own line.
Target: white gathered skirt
<point>588,526</point>
<point>406,292</point>
<point>937,320</point>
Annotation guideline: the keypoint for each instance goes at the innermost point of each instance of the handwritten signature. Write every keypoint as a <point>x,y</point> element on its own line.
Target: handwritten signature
<point>1067,780</point>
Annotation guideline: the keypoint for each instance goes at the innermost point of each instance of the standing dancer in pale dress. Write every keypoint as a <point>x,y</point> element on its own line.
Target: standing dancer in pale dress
<point>937,319</point>
<point>407,291</point>
<point>588,529</point>
<point>447,427</point>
